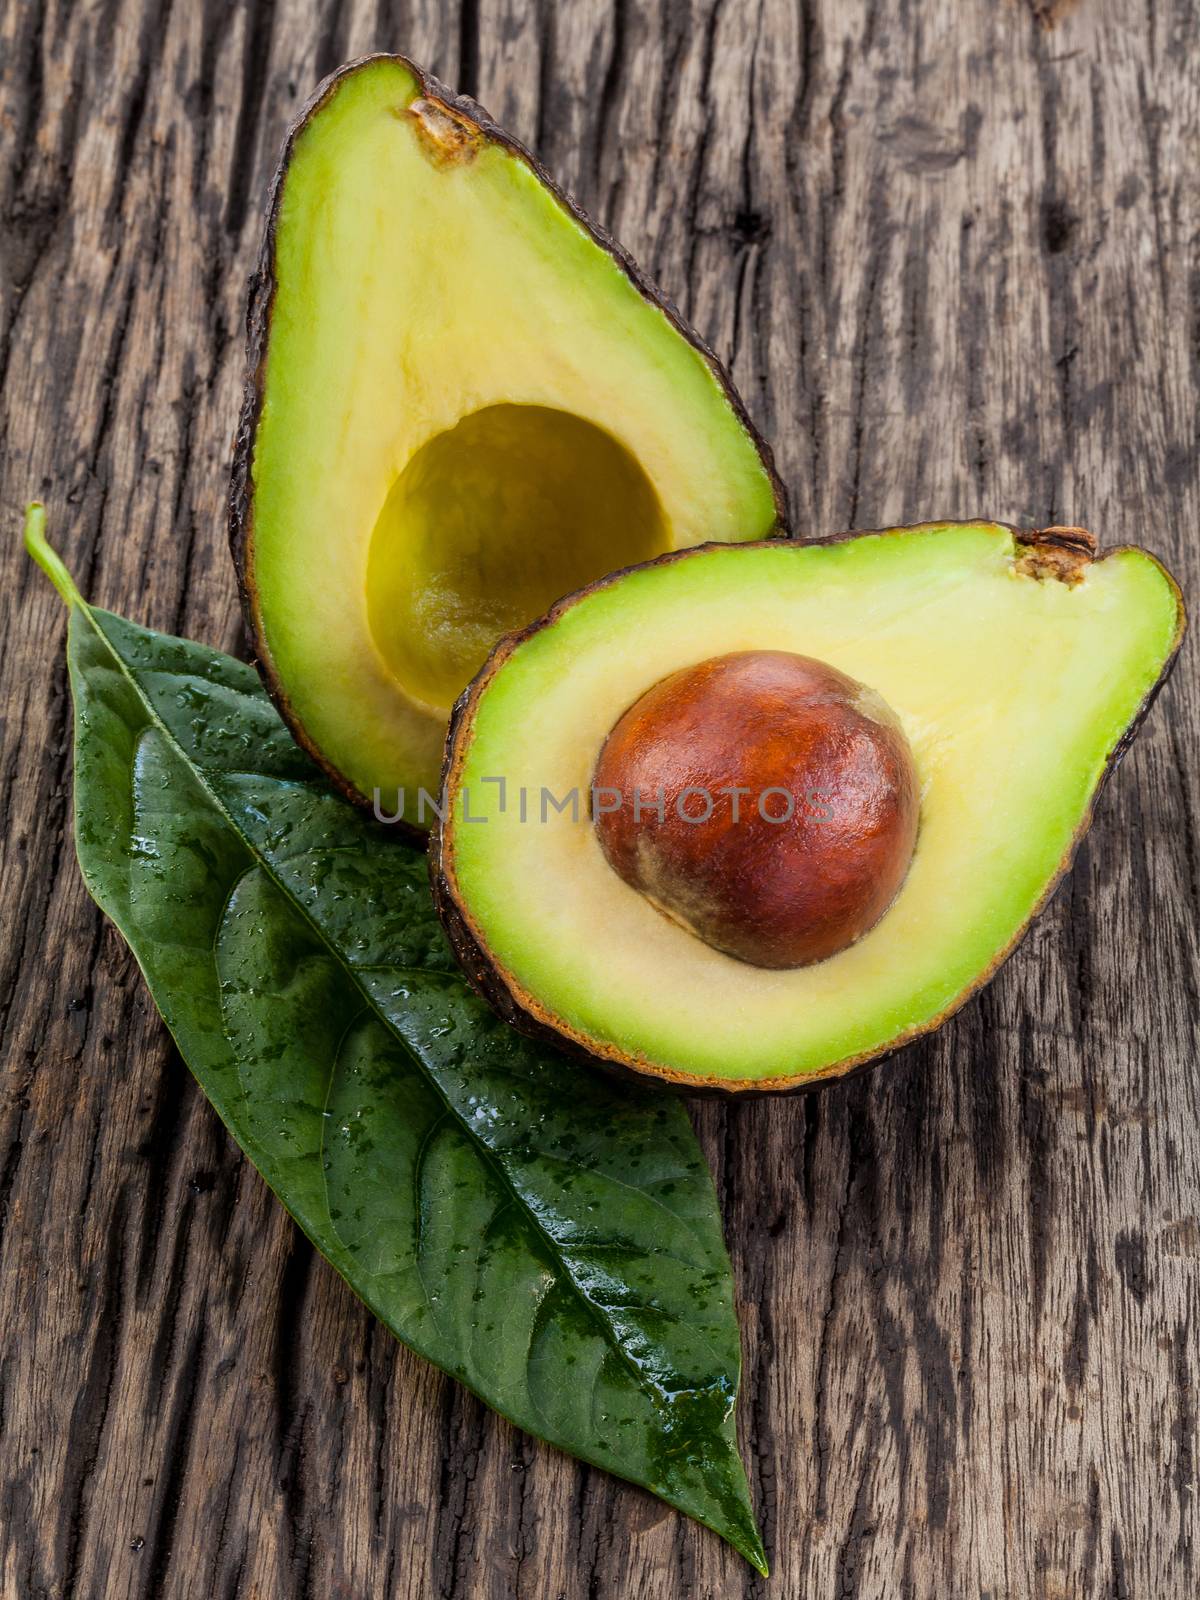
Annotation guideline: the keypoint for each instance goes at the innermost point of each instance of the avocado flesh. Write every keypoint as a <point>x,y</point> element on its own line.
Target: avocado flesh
<point>462,406</point>
<point>1016,670</point>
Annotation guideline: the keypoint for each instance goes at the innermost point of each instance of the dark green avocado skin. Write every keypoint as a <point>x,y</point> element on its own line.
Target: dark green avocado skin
<point>1073,545</point>
<point>258,329</point>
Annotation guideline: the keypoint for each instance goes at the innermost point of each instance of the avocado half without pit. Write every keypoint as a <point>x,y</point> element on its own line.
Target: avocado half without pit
<point>749,817</point>
<point>464,402</point>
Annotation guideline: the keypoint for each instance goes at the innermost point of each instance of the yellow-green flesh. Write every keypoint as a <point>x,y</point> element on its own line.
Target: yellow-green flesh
<point>1012,691</point>
<point>469,410</point>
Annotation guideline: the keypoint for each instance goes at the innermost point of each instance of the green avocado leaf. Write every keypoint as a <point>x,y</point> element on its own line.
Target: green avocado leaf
<point>549,1238</point>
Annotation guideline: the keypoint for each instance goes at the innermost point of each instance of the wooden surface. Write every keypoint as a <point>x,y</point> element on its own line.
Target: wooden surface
<point>952,248</point>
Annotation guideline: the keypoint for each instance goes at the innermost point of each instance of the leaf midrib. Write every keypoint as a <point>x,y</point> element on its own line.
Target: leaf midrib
<point>486,1155</point>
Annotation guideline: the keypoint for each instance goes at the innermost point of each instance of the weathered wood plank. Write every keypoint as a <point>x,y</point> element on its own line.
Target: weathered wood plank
<point>952,250</point>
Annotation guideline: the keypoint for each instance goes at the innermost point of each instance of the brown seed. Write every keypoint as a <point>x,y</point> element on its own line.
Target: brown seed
<point>765,801</point>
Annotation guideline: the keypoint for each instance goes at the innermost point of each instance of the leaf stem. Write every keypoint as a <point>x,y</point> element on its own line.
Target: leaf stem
<point>48,559</point>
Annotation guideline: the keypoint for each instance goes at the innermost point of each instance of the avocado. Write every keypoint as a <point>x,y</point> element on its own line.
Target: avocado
<point>464,400</point>
<point>1001,672</point>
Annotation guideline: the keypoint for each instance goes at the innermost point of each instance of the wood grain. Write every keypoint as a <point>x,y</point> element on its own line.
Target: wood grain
<point>952,248</point>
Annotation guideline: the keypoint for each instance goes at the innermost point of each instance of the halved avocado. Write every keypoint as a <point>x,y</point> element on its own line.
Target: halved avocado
<point>1018,666</point>
<point>463,402</point>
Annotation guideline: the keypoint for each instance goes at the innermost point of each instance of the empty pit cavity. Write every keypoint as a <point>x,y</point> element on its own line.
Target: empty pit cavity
<point>489,524</point>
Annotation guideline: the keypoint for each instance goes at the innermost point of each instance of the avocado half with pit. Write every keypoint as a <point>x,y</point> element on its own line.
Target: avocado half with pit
<point>464,401</point>
<point>918,722</point>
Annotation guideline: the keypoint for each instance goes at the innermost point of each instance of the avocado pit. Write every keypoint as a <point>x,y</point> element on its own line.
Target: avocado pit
<point>764,800</point>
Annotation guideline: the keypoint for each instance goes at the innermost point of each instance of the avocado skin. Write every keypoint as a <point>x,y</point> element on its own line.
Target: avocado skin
<point>258,328</point>
<point>1052,544</point>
